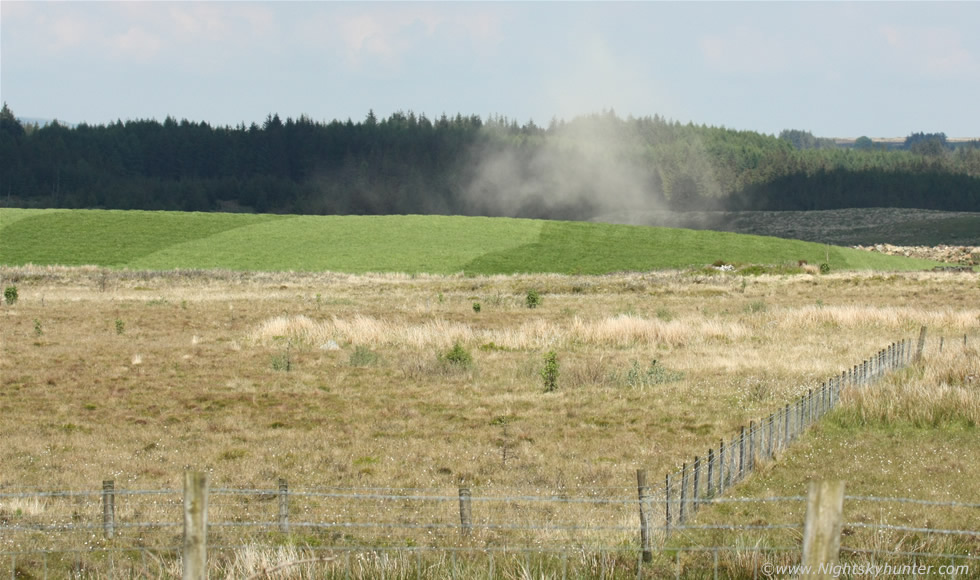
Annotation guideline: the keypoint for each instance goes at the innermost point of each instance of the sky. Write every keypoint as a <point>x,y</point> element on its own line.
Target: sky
<point>837,69</point>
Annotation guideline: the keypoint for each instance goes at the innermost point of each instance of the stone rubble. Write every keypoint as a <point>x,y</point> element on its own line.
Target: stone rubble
<point>962,255</point>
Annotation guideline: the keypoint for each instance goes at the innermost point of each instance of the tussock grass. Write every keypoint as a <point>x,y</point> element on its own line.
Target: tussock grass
<point>900,318</point>
<point>944,391</point>
<point>620,331</point>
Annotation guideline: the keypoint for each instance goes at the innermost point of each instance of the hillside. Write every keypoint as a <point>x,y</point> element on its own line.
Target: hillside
<point>467,165</point>
<point>410,244</point>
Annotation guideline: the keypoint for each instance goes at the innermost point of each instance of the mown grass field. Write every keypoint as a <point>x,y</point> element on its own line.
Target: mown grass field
<point>406,244</point>
<point>339,380</point>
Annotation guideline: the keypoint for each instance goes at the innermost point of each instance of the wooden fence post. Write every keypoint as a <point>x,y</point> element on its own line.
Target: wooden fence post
<point>283,506</point>
<point>108,508</point>
<point>801,422</point>
<point>922,344</point>
<point>643,493</point>
<point>751,446</point>
<point>195,553</point>
<point>667,507</point>
<point>786,426</point>
<point>721,467</point>
<point>697,481</point>
<point>709,490</point>
<point>769,451</point>
<point>822,529</point>
<point>465,511</point>
<point>682,510</point>
<point>741,453</point>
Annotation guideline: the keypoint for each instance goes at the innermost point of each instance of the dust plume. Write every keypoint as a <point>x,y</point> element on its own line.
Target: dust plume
<point>597,167</point>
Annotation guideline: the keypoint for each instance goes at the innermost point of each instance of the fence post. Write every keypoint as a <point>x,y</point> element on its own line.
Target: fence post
<point>195,554</point>
<point>769,451</point>
<point>697,480</point>
<point>681,512</point>
<point>800,409</point>
<point>721,467</point>
<point>643,493</point>
<point>667,507</point>
<point>709,490</point>
<point>809,407</point>
<point>786,426</point>
<point>283,506</point>
<point>822,529</point>
<point>751,445</point>
<point>732,468</point>
<point>922,344</point>
<point>741,453</point>
<point>465,511</point>
<point>108,508</point>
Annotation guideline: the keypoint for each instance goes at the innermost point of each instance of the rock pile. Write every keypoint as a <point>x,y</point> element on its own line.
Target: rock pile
<point>963,255</point>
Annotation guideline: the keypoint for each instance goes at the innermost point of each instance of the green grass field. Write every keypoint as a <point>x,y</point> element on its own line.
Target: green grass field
<point>410,244</point>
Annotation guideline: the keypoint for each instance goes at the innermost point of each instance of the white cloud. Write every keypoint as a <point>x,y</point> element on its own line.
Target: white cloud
<point>68,33</point>
<point>369,35</point>
<point>935,52</point>
<point>200,19</point>
<point>135,44</point>
<point>745,50</point>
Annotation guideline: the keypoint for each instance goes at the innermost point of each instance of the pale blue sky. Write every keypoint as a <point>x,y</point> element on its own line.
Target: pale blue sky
<point>838,69</point>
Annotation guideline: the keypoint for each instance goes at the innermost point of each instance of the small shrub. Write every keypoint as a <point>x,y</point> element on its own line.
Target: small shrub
<point>825,268</point>
<point>281,362</point>
<point>756,307</point>
<point>476,307</point>
<point>458,356</point>
<point>492,346</point>
<point>533,299</point>
<point>10,295</point>
<point>550,372</point>
<point>38,331</point>
<point>655,374</point>
<point>363,357</point>
<point>120,326</point>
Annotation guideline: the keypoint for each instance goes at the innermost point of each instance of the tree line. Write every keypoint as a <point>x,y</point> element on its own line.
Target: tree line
<point>409,163</point>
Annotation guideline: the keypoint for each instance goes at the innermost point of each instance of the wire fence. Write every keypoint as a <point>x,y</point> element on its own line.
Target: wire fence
<point>710,475</point>
<point>603,532</point>
<point>415,534</point>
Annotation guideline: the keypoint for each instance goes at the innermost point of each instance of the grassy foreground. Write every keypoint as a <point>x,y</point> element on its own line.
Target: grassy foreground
<point>345,381</point>
<point>408,244</point>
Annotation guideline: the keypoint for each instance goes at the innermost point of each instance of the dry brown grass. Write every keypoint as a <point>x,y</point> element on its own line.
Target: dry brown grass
<point>195,380</point>
<point>942,393</point>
